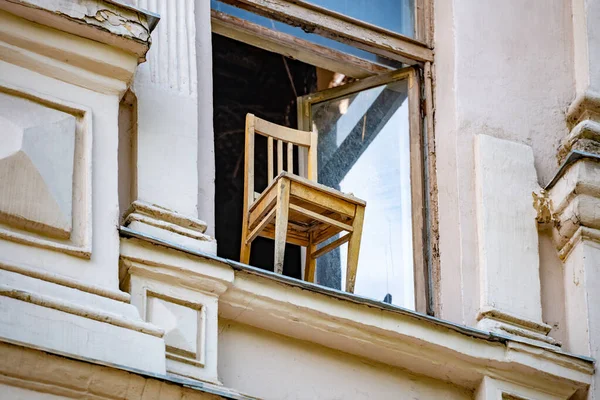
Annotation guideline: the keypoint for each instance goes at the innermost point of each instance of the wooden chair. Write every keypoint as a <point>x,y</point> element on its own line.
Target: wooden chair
<point>297,210</point>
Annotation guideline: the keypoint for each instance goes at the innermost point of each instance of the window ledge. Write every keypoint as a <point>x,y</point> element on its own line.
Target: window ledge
<point>378,331</point>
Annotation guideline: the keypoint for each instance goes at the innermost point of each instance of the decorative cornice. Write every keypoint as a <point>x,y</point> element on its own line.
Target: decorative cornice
<point>96,379</point>
<point>369,329</point>
<point>493,313</point>
<point>105,21</point>
<point>169,225</point>
<point>66,281</point>
<point>139,258</point>
<point>575,194</point>
<point>583,118</point>
<point>80,310</point>
<point>584,137</point>
<point>178,223</point>
<point>584,104</point>
<point>495,320</point>
<point>64,56</point>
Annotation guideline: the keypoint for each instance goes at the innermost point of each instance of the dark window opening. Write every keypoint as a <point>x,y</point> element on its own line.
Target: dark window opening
<point>247,79</point>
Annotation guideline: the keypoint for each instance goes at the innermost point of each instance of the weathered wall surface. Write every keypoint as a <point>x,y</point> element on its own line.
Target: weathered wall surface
<point>503,69</point>
<point>251,360</point>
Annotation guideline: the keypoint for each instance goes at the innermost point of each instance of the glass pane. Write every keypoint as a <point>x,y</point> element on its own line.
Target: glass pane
<point>395,15</point>
<point>364,149</point>
<point>298,32</point>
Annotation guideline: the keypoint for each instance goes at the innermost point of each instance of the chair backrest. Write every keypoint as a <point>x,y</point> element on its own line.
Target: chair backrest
<point>276,136</point>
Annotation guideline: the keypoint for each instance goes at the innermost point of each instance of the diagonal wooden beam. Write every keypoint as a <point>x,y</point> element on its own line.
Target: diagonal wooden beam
<point>333,245</point>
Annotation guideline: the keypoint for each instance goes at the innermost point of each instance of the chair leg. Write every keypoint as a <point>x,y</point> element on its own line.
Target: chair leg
<point>311,263</point>
<point>281,222</point>
<point>245,249</point>
<point>354,249</point>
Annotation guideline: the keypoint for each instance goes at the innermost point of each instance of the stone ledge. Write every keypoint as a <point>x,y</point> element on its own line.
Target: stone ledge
<point>494,320</point>
<point>42,372</point>
<point>583,118</point>
<point>76,333</point>
<point>169,225</point>
<point>388,334</point>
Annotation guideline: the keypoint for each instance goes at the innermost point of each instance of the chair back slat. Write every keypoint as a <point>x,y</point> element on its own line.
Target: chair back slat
<point>279,157</point>
<point>290,158</point>
<point>266,128</point>
<point>270,159</point>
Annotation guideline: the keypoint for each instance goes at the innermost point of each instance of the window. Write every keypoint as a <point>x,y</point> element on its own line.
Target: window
<point>295,31</point>
<point>361,76</point>
<point>366,141</point>
<point>395,15</point>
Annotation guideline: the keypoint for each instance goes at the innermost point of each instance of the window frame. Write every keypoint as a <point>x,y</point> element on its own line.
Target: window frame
<point>345,29</point>
<point>416,52</point>
<point>417,162</point>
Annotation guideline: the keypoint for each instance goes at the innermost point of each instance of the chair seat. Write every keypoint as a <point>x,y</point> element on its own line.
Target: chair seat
<point>314,208</point>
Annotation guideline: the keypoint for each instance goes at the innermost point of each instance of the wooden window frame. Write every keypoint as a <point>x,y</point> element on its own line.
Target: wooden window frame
<point>357,33</point>
<point>420,225</point>
<point>414,52</point>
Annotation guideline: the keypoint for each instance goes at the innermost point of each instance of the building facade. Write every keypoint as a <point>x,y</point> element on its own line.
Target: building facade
<point>471,128</point>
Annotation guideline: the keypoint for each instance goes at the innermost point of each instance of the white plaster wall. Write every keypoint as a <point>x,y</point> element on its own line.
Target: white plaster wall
<point>586,14</point>
<point>102,268</point>
<point>503,69</point>
<point>270,366</point>
<point>206,148</point>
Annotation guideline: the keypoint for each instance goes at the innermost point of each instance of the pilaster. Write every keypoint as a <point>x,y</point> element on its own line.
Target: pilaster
<point>583,114</point>
<point>166,147</point>
<point>510,301</point>
<point>180,294</point>
<point>63,71</point>
<point>575,191</point>
<point>575,196</point>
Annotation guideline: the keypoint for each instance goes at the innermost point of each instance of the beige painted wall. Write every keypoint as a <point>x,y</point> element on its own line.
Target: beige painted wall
<point>271,366</point>
<point>503,69</point>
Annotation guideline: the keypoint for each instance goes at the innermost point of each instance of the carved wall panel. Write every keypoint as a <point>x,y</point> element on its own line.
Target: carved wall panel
<point>36,166</point>
<point>184,325</point>
<point>45,172</point>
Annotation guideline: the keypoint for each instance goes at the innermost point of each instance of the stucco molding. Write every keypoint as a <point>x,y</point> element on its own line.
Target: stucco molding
<point>66,281</point>
<point>583,119</point>
<point>576,198</point>
<point>353,325</point>
<point>79,241</point>
<point>140,258</point>
<point>42,373</point>
<point>108,22</point>
<point>79,310</point>
<point>397,340</point>
<point>493,319</point>
<point>169,224</point>
<point>179,223</point>
<point>584,104</point>
<point>69,57</point>
<point>182,296</point>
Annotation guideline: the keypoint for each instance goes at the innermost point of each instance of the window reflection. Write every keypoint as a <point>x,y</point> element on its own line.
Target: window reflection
<point>298,32</point>
<point>364,149</point>
<point>395,15</point>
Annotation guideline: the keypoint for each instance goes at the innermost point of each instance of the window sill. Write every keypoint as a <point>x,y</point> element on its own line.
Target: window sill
<point>378,331</point>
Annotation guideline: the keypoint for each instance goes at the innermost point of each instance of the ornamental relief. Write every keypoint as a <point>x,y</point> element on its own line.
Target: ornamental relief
<point>44,173</point>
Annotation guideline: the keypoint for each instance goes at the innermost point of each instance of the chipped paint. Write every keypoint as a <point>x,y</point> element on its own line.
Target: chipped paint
<point>544,207</point>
